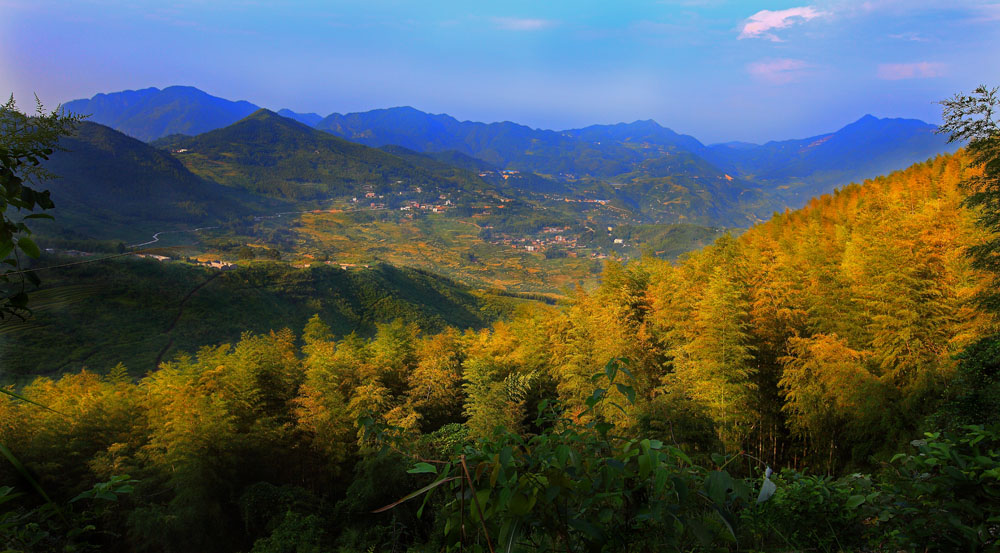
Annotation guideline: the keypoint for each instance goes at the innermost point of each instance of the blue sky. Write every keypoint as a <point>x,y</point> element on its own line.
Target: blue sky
<point>718,70</point>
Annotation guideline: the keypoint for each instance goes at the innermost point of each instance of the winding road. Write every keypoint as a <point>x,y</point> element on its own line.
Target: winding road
<point>156,237</point>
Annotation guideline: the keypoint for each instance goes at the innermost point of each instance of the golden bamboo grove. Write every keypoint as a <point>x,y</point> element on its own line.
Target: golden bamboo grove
<point>821,337</point>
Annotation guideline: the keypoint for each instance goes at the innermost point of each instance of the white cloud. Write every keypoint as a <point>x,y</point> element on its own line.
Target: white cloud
<point>522,24</point>
<point>918,70</point>
<point>761,23</point>
<point>778,71</point>
<point>911,37</point>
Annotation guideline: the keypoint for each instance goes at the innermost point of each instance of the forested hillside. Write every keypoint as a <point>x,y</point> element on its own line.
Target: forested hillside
<point>824,338</point>
<point>113,186</point>
<point>139,312</point>
<point>269,154</point>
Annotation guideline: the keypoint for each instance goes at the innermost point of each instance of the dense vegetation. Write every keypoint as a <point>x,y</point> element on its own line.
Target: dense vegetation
<point>138,312</point>
<point>642,415</point>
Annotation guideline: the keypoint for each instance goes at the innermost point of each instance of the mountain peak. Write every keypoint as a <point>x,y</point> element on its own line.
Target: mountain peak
<point>263,114</point>
<point>274,120</point>
<point>870,123</point>
<point>152,113</point>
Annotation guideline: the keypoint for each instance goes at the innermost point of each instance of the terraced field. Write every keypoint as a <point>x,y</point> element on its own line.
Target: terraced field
<point>441,244</point>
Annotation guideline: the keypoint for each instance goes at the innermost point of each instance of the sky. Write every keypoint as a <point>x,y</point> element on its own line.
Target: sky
<point>719,70</point>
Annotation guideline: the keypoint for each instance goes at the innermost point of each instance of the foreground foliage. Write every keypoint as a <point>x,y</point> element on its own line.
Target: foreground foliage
<point>25,142</point>
<point>320,463</point>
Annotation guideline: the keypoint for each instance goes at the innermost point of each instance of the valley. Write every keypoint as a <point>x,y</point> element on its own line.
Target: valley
<point>499,206</point>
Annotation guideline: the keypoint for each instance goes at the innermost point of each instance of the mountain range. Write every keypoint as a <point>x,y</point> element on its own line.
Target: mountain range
<point>661,176</point>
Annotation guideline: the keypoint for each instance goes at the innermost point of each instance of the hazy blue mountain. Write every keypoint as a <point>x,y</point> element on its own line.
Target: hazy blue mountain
<point>151,113</point>
<point>801,169</point>
<point>111,184</point>
<point>505,145</point>
<point>311,119</point>
<point>735,145</point>
<point>273,155</point>
<point>645,134</point>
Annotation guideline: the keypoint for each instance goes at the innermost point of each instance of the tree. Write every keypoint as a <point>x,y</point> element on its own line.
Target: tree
<point>716,366</point>
<point>974,392</point>
<point>25,142</point>
<point>245,253</point>
<point>830,394</point>
<point>970,117</point>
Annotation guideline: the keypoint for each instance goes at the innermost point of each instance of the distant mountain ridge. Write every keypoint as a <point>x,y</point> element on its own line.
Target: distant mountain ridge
<point>152,113</point>
<point>642,165</point>
<point>813,166</point>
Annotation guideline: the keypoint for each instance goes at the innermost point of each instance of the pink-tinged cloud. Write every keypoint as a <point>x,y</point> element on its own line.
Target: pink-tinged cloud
<point>761,23</point>
<point>779,71</point>
<point>988,13</point>
<point>520,24</point>
<point>920,70</point>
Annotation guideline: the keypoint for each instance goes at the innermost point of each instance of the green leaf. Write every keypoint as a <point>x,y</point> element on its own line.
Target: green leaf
<point>410,496</point>
<point>520,504</point>
<point>26,400</point>
<point>480,501</point>
<point>623,367</point>
<point>39,216</point>
<point>20,468</point>
<point>423,468</point>
<point>645,467</point>
<point>717,484</point>
<point>506,456</point>
<point>676,452</point>
<point>627,391</point>
<point>854,501</point>
<point>681,487</point>
<point>562,454</point>
<point>587,528</point>
<point>727,519</point>
<point>611,370</point>
<point>28,246</point>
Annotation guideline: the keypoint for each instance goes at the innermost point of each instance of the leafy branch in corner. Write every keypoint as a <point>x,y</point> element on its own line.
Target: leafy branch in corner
<point>25,142</point>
